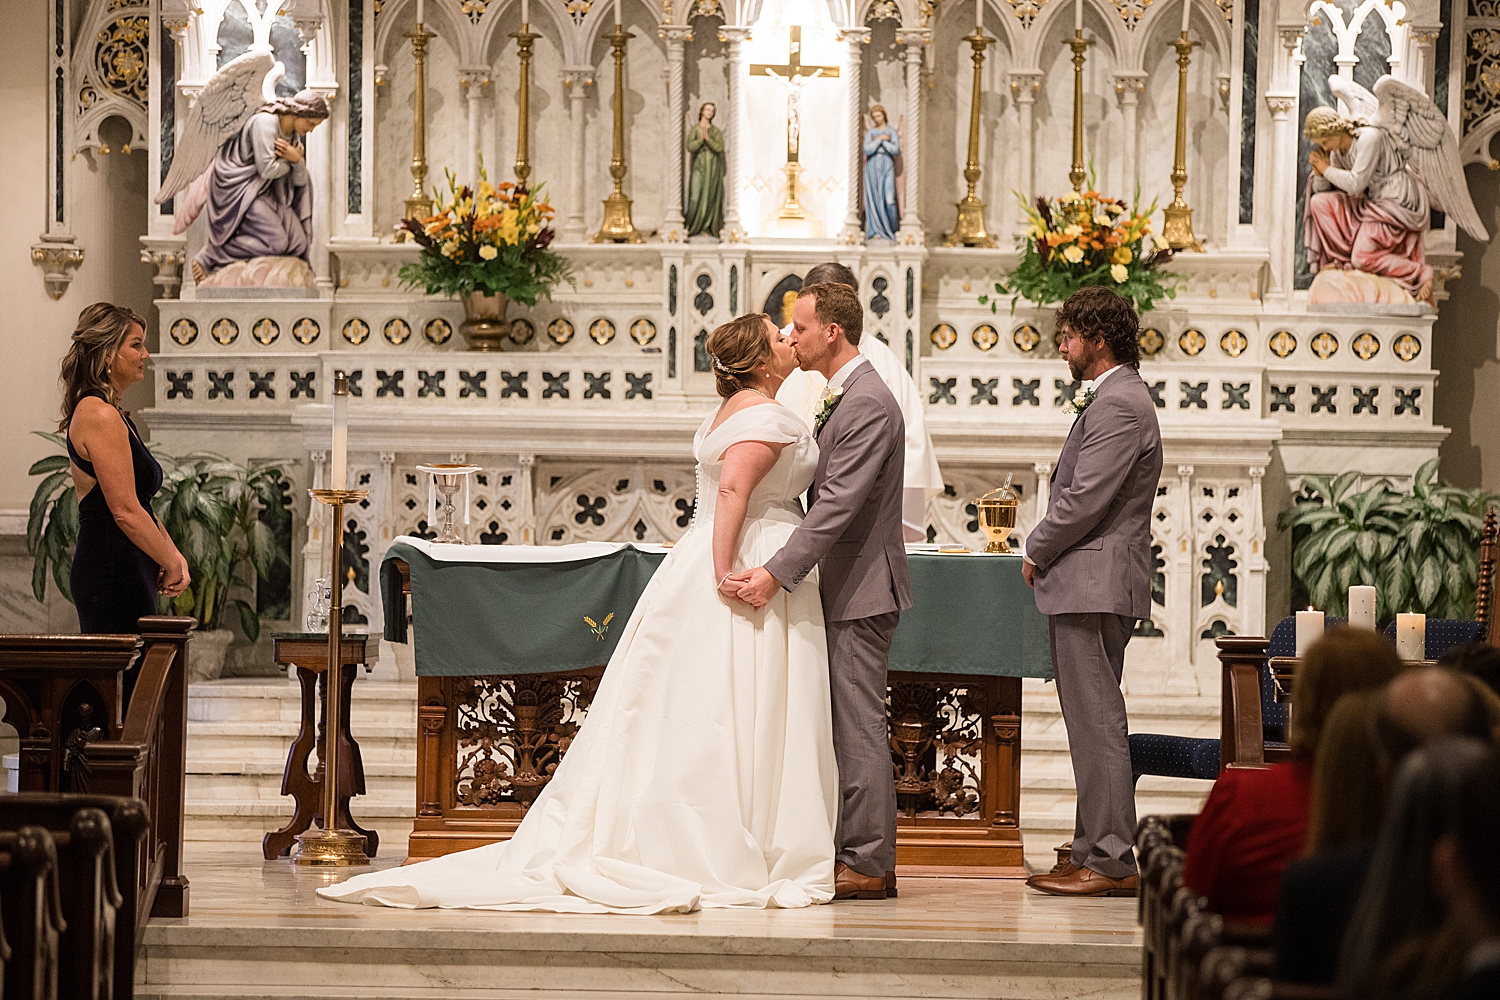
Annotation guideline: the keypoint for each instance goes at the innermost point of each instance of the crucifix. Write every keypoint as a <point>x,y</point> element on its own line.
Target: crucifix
<point>793,76</point>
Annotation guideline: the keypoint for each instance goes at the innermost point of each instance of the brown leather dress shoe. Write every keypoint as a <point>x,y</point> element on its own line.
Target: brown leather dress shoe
<point>850,884</point>
<point>1061,869</point>
<point>1084,882</point>
<point>890,885</point>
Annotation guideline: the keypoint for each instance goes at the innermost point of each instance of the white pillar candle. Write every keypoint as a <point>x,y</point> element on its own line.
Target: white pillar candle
<point>618,19</point>
<point>339,454</point>
<point>1309,629</point>
<point>1362,607</point>
<point>978,17</point>
<point>1078,15</point>
<point>1411,637</point>
<point>421,11</point>
<point>1187,10</point>
<point>525,12</point>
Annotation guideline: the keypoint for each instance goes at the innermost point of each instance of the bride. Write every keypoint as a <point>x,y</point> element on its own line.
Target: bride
<point>703,774</point>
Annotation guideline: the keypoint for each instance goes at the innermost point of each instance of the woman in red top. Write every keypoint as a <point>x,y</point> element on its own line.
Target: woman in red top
<point>1255,820</point>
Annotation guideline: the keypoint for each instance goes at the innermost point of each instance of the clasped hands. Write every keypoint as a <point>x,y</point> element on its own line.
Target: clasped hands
<point>754,587</point>
<point>286,151</point>
<point>1319,160</point>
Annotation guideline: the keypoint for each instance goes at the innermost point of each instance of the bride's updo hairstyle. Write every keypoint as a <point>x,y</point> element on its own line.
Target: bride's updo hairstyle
<point>735,350</point>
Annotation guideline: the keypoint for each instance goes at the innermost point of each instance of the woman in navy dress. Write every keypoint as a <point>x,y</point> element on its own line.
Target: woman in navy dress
<point>124,556</point>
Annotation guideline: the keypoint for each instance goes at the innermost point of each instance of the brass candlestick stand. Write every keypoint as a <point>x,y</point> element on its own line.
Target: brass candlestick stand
<point>1079,45</point>
<point>524,41</point>
<point>329,846</point>
<point>418,206</point>
<point>1178,224</point>
<point>617,226</point>
<point>969,230</point>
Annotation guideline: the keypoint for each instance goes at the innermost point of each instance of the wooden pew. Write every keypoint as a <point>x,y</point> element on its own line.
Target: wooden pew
<point>99,842</point>
<point>1484,592</point>
<point>63,695</point>
<point>31,913</point>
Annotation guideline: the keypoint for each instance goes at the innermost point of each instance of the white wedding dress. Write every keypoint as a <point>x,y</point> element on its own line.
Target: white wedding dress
<point>703,774</point>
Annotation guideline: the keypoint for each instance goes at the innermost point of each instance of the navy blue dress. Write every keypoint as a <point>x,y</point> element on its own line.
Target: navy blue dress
<point>113,581</point>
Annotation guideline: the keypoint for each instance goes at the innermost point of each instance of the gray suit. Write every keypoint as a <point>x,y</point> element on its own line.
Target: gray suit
<point>1093,580</point>
<point>852,533</point>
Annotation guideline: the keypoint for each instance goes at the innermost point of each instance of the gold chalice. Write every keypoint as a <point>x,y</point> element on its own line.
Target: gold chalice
<point>997,516</point>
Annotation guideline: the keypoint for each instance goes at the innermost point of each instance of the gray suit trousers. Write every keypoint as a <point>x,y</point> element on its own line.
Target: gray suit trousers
<point>858,659</point>
<point>1088,656</point>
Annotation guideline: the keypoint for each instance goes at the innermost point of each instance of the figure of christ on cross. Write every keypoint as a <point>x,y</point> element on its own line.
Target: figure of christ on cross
<point>793,76</point>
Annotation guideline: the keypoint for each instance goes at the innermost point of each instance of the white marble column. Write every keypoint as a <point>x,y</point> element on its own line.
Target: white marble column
<point>1181,588</point>
<point>673,229</point>
<point>576,84</point>
<point>1283,192</point>
<point>526,465</point>
<point>911,148</point>
<point>735,37</point>
<point>1253,598</point>
<point>1128,89</point>
<point>1024,86</point>
<point>472,82</point>
<point>853,233</point>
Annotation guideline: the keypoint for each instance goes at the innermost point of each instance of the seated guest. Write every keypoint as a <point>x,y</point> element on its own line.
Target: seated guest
<point>1366,739</point>
<point>1255,820</point>
<point>1479,660</point>
<point>1397,946</point>
<point>1472,891</point>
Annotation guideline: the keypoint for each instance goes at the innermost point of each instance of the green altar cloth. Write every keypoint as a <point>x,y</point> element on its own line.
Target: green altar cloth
<point>973,614</point>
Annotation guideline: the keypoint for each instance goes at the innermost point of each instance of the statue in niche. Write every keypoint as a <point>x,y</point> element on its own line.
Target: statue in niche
<point>882,146</point>
<point>1376,178</point>
<point>704,211</point>
<point>242,156</point>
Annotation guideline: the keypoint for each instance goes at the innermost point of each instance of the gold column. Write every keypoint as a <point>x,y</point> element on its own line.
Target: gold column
<point>418,206</point>
<point>617,227</point>
<point>969,230</point>
<point>1079,45</point>
<point>524,40</point>
<point>1178,224</point>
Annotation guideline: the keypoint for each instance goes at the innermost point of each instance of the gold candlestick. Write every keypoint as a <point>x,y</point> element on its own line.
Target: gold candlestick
<point>617,226</point>
<point>1178,217</point>
<point>1079,45</point>
<point>524,40</point>
<point>969,230</point>
<point>418,206</point>
<point>330,846</point>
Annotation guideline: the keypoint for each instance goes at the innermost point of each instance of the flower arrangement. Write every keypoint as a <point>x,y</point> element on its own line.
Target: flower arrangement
<point>492,240</point>
<point>1087,239</point>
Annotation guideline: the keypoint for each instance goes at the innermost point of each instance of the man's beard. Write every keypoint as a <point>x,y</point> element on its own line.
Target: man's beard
<point>1076,367</point>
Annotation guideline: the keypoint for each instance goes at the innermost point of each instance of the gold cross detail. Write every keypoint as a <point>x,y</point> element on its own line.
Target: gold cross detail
<point>793,65</point>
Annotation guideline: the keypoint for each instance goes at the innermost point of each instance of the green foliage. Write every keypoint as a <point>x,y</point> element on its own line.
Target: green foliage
<point>215,510</point>
<point>1420,550</point>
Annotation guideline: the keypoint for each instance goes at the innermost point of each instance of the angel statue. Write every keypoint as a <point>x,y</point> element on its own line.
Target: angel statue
<point>242,155</point>
<point>1376,177</point>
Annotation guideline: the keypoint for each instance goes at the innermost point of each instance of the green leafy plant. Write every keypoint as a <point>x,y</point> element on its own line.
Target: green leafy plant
<point>1087,239</point>
<point>1420,550</point>
<point>223,517</point>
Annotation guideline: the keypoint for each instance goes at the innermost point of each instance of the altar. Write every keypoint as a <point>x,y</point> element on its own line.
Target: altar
<point>510,643</point>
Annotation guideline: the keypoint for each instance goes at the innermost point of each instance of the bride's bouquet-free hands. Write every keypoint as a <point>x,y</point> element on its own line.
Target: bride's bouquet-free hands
<point>754,587</point>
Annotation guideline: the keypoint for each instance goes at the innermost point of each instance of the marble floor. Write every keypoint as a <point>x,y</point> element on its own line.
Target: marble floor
<point>256,929</point>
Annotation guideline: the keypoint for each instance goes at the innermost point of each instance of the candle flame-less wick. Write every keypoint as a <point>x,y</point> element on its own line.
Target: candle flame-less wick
<point>340,383</point>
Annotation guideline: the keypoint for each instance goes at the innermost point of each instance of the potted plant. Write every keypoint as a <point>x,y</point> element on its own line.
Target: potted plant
<point>1420,550</point>
<point>488,247</point>
<point>222,516</point>
<point>1087,239</point>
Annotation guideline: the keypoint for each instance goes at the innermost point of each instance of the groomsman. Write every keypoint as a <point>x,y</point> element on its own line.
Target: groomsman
<point>1089,559</point>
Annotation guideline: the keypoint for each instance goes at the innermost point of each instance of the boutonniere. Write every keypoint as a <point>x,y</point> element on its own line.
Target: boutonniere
<point>831,397</point>
<point>1080,402</point>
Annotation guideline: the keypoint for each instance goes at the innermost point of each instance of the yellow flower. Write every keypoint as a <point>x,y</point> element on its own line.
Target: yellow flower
<point>450,248</point>
<point>1121,256</point>
<point>1073,230</point>
<point>1069,197</point>
<point>1160,242</point>
<point>488,252</point>
<point>1037,234</point>
<point>1119,273</point>
<point>1073,254</point>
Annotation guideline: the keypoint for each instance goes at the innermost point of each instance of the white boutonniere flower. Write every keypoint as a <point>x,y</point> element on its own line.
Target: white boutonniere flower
<point>1080,402</point>
<point>831,397</point>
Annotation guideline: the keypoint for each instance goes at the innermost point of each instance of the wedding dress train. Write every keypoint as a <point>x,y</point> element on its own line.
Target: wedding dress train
<point>703,774</point>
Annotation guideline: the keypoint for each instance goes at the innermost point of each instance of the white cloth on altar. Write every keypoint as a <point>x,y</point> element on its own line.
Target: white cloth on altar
<point>803,391</point>
<point>572,552</point>
<point>703,774</point>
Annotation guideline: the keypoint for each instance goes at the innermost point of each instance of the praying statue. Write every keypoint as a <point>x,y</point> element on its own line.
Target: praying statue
<point>704,211</point>
<point>882,146</point>
<point>242,157</point>
<point>1376,178</point>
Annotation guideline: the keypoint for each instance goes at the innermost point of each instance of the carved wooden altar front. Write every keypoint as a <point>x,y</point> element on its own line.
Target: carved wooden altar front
<point>487,746</point>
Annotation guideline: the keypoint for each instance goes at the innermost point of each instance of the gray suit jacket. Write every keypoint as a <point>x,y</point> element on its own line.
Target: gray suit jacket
<point>1093,549</point>
<point>852,531</point>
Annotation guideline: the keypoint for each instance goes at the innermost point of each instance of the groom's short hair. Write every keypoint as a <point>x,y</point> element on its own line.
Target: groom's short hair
<point>837,303</point>
<point>834,272</point>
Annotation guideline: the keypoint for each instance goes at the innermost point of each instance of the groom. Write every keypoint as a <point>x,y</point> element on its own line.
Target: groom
<point>852,533</point>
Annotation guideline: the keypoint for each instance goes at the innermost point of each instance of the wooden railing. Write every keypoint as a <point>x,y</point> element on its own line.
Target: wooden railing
<point>1484,593</point>
<point>30,911</point>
